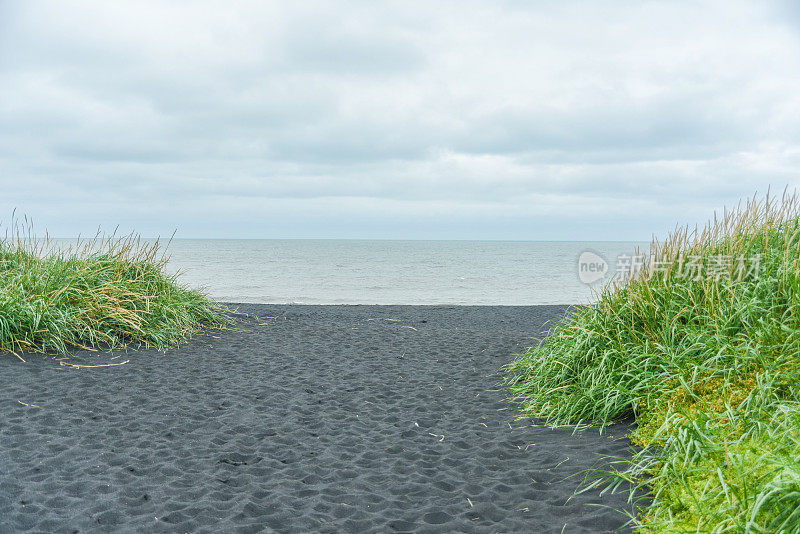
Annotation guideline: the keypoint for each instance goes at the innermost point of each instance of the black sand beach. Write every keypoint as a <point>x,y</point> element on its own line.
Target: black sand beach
<point>309,419</point>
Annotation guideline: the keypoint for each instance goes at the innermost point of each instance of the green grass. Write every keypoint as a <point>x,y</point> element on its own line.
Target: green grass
<point>103,293</point>
<point>710,367</point>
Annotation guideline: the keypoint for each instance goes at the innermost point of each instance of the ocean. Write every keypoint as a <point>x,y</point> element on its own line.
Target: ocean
<point>391,272</point>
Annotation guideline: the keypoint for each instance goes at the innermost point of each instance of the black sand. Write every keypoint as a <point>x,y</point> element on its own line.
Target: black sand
<point>311,419</point>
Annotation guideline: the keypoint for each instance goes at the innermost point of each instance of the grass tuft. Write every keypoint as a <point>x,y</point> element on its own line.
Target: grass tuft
<point>704,349</point>
<point>105,292</point>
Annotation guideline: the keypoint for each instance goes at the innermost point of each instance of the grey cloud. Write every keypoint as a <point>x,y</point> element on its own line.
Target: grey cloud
<point>320,45</point>
<point>113,151</point>
<point>431,112</point>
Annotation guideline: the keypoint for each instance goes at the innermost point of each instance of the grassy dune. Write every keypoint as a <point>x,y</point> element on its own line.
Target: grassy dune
<point>107,292</point>
<point>707,359</point>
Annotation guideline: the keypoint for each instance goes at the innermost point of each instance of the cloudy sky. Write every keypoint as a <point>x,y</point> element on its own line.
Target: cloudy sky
<point>371,119</point>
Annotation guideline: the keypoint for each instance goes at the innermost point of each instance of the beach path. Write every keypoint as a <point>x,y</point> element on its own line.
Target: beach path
<point>304,419</point>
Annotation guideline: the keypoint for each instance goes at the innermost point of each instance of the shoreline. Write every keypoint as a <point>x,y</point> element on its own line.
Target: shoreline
<point>320,418</point>
<point>432,305</point>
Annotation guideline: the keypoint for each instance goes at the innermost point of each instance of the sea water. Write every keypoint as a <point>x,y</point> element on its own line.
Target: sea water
<point>391,272</point>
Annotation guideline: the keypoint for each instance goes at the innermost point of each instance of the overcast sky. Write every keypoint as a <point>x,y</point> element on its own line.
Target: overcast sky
<point>421,120</point>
